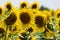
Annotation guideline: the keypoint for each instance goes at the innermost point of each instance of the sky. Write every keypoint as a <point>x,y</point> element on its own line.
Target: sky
<point>55,4</point>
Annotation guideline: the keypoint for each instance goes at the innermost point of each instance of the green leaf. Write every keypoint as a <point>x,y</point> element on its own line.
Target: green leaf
<point>50,26</point>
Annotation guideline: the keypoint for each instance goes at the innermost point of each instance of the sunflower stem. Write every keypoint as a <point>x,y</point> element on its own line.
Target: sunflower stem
<point>6,32</point>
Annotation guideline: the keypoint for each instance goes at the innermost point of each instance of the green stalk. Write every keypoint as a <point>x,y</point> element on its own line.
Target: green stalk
<point>6,33</point>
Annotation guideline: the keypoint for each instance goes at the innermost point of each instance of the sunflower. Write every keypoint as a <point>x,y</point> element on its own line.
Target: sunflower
<point>58,13</point>
<point>13,21</point>
<point>35,5</point>
<point>3,30</point>
<point>26,18</point>
<point>40,21</point>
<point>24,4</point>
<point>52,12</point>
<point>34,11</point>
<point>48,15</point>
<point>4,15</point>
<point>8,6</point>
<point>58,25</point>
<point>49,31</point>
<point>49,34</point>
<point>1,11</point>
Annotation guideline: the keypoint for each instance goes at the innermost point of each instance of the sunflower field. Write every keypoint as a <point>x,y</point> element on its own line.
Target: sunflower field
<point>29,23</point>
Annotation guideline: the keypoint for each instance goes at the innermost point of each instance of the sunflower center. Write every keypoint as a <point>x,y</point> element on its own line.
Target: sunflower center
<point>39,21</point>
<point>2,31</point>
<point>25,18</point>
<point>0,11</point>
<point>23,5</point>
<point>58,15</point>
<point>34,6</point>
<point>59,23</point>
<point>11,19</point>
<point>8,6</point>
<point>30,29</point>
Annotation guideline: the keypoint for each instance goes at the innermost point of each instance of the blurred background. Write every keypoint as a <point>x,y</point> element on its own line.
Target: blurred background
<point>55,4</point>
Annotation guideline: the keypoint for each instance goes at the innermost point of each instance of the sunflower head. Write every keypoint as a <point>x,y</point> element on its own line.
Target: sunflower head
<point>26,17</point>
<point>40,21</point>
<point>23,18</point>
<point>2,32</point>
<point>48,15</point>
<point>11,19</point>
<point>35,5</point>
<point>24,4</point>
<point>58,13</point>
<point>58,25</point>
<point>48,34</point>
<point>52,12</point>
<point>1,10</point>
<point>34,11</point>
<point>8,6</point>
